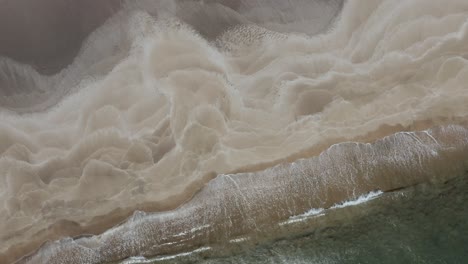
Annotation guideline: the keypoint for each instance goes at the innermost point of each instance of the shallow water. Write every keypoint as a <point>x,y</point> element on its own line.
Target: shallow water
<point>423,224</point>
<point>427,223</point>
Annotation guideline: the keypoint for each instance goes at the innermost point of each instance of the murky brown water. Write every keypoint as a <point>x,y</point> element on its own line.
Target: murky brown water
<point>221,120</point>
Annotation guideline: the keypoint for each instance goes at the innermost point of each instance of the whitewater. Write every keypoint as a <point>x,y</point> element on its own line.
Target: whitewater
<point>183,124</point>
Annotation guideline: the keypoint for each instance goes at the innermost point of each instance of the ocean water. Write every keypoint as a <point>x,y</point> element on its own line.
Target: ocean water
<point>421,224</point>
<point>232,130</point>
<point>426,223</point>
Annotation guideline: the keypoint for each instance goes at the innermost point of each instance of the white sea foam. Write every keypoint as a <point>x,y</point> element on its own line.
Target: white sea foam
<point>314,212</point>
<point>142,260</point>
<point>158,103</point>
<point>360,200</point>
<point>239,240</point>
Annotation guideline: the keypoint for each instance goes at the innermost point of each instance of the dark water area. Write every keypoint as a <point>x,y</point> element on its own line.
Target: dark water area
<point>50,33</point>
<point>427,223</point>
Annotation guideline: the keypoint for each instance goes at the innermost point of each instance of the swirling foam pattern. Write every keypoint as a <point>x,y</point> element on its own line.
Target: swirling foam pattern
<point>166,96</point>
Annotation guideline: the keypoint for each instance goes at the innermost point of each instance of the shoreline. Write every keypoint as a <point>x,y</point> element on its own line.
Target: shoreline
<point>391,228</point>
<point>99,224</point>
<point>331,193</point>
<point>220,126</point>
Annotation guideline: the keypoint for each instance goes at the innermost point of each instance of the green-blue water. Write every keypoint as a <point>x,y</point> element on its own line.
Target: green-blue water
<point>422,224</point>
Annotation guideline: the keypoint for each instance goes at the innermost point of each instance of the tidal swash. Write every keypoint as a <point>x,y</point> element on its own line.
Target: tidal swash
<point>243,131</point>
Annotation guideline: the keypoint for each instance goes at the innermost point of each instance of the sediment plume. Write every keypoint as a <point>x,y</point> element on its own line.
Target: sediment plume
<point>208,114</point>
<point>233,206</point>
<point>47,34</point>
